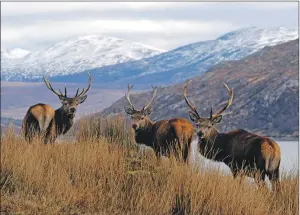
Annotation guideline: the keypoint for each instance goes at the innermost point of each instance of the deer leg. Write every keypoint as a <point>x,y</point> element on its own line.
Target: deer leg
<point>274,179</point>
<point>158,155</point>
<point>175,148</point>
<point>238,173</point>
<point>259,177</point>
<point>187,151</point>
<point>185,155</point>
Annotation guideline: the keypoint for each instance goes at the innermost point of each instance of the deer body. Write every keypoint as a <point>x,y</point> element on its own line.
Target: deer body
<point>245,153</point>
<point>164,136</point>
<point>43,121</point>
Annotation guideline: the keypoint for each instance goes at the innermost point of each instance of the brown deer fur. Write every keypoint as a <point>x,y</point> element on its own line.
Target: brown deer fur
<point>164,136</point>
<point>244,152</point>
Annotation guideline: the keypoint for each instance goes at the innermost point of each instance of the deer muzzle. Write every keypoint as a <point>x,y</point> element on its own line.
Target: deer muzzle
<point>134,126</point>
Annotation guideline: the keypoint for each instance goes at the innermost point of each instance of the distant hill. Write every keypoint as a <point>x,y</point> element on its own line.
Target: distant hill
<point>71,56</point>
<point>118,62</point>
<point>266,95</point>
<point>6,122</point>
<point>188,61</point>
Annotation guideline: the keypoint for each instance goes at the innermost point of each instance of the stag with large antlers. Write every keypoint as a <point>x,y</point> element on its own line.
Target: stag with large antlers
<point>165,136</point>
<point>246,154</point>
<point>43,121</point>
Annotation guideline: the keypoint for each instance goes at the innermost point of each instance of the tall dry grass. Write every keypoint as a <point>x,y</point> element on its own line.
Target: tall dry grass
<point>97,175</point>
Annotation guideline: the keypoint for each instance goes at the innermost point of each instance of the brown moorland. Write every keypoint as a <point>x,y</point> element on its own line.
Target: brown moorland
<point>105,173</point>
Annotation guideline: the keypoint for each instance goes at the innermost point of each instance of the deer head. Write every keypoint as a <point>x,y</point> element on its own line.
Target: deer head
<point>69,104</point>
<point>139,117</point>
<point>203,124</point>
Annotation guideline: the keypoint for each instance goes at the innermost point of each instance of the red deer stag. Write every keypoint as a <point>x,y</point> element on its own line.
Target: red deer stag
<point>42,120</point>
<point>244,152</point>
<point>163,136</point>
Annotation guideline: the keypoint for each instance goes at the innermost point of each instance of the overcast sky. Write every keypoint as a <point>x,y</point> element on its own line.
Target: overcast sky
<point>165,25</point>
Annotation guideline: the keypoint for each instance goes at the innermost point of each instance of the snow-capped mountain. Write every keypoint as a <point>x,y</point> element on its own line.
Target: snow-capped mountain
<point>74,55</point>
<point>194,59</point>
<point>14,53</point>
<point>165,68</point>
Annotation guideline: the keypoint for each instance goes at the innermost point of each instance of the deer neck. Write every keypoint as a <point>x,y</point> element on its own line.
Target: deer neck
<point>63,121</point>
<point>211,147</point>
<point>144,135</point>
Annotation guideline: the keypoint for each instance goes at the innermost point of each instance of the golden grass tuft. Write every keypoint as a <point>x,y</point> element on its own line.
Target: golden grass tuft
<point>97,175</point>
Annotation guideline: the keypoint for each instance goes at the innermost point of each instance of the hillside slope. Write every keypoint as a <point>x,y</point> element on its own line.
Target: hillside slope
<point>266,93</point>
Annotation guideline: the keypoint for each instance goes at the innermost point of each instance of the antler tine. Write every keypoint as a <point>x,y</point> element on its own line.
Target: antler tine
<point>187,101</point>
<point>127,96</point>
<point>84,91</point>
<point>77,92</point>
<point>65,91</point>
<point>230,91</point>
<point>153,97</point>
<point>50,87</point>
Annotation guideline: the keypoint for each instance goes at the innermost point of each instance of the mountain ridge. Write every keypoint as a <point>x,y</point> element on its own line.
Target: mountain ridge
<point>189,60</point>
<point>74,55</point>
<point>180,63</point>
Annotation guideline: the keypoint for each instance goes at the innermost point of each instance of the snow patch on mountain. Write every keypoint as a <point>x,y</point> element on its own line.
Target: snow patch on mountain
<point>14,53</point>
<point>234,45</point>
<point>75,55</point>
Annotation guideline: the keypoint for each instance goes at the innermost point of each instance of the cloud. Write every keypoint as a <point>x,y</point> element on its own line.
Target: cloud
<point>165,29</point>
<point>26,8</point>
<point>166,25</point>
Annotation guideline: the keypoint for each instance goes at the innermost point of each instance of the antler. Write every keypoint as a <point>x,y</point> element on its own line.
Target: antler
<point>128,94</point>
<point>53,90</point>
<point>84,91</point>
<point>187,101</point>
<point>230,91</point>
<point>153,97</point>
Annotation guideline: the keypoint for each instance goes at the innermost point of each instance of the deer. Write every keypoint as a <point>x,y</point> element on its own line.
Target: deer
<point>164,136</point>
<point>245,153</point>
<point>41,120</point>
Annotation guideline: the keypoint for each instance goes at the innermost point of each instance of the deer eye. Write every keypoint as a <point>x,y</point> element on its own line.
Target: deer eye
<point>142,118</point>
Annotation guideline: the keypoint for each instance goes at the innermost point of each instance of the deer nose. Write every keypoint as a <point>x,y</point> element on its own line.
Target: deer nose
<point>134,126</point>
<point>72,110</point>
<point>200,134</point>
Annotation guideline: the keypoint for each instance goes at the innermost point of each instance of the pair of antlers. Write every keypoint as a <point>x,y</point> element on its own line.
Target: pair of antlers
<point>193,108</point>
<point>82,93</point>
<point>212,116</point>
<point>146,106</point>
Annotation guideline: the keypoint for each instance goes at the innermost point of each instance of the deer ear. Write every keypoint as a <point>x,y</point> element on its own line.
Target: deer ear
<point>128,110</point>
<point>193,117</point>
<point>217,119</point>
<point>81,99</point>
<point>148,111</point>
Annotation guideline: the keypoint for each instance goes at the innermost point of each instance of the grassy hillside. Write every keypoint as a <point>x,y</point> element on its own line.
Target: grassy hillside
<point>104,173</point>
<point>266,93</point>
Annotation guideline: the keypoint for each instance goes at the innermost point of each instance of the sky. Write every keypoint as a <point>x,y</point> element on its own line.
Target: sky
<point>165,25</point>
